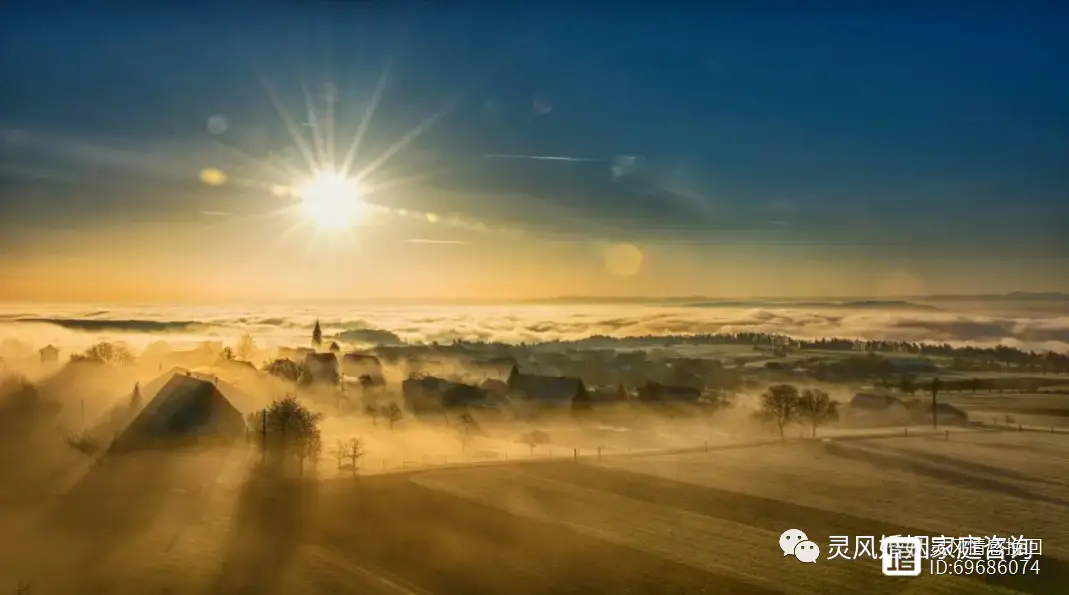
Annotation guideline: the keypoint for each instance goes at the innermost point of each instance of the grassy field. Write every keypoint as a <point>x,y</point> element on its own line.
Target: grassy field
<point>704,522</point>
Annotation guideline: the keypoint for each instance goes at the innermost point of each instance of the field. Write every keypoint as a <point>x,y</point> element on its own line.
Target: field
<point>701,522</point>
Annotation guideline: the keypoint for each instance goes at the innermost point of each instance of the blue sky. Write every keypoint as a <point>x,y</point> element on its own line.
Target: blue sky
<point>930,130</point>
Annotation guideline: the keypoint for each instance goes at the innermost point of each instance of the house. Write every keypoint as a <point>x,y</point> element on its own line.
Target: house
<point>877,409</point>
<point>49,354</point>
<point>461,395</point>
<point>361,365</point>
<point>495,387</point>
<point>654,392</point>
<point>423,393</point>
<point>322,368</point>
<point>548,390</point>
<point>608,394</point>
<point>187,409</point>
<point>496,368</point>
<point>295,354</point>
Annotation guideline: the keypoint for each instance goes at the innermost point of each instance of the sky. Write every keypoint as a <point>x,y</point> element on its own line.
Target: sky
<point>533,150</point>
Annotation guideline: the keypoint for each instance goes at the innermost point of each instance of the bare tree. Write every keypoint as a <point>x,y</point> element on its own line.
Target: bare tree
<point>816,408</point>
<point>246,347</point>
<point>372,412</point>
<point>349,453</point>
<point>85,444</point>
<point>780,404</point>
<point>227,354</point>
<point>467,428</point>
<point>392,413</point>
<point>534,438</point>
<point>109,353</point>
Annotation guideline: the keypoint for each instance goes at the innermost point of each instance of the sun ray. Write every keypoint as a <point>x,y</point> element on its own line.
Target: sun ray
<point>268,167</point>
<point>365,120</point>
<point>430,121</point>
<point>396,183</point>
<point>313,123</point>
<point>291,126</point>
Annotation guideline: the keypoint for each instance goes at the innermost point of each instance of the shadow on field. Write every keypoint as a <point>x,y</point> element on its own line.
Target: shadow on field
<point>962,465</point>
<point>116,501</point>
<point>1035,449</point>
<point>910,464</point>
<point>272,519</point>
<point>449,545</point>
<point>769,514</point>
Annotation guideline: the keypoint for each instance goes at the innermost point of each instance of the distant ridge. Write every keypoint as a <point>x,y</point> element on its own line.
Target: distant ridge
<point>814,301</point>
<point>864,304</point>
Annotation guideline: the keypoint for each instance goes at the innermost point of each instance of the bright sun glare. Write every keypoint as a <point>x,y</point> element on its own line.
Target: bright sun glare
<point>331,201</point>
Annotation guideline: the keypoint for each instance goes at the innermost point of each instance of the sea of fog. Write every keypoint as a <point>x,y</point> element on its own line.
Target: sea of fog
<point>1028,324</point>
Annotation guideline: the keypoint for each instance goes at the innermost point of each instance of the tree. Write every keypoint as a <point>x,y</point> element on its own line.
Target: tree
<point>109,353</point>
<point>246,347</point>
<point>334,347</point>
<point>780,404</point>
<point>317,336</point>
<point>467,428</point>
<point>372,412</point>
<point>284,369</point>
<point>534,438</point>
<point>85,444</point>
<point>392,413</point>
<point>227,354</point>
<point>135,398</point>
<point>816,408</point>
<point>907,384</point>
<point>288,431</point>
<point>936,383</point>
<point>349,453</point>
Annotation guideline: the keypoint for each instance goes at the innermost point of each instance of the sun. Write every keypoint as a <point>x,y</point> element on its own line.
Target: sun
<point>331,201</point>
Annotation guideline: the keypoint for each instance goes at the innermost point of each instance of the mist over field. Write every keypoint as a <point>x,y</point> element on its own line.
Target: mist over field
<point>1028,324</point>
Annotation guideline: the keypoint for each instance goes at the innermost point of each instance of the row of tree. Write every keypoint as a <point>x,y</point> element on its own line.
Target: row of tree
<point>784,404</point>
<point>1006,356</point>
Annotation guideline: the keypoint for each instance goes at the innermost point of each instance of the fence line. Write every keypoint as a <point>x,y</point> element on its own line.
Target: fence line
<point>594,453</point>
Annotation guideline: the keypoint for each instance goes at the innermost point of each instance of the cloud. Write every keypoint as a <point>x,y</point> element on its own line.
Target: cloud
<point>291,325</point>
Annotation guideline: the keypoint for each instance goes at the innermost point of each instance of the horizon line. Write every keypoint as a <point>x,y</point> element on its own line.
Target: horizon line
<point>592,299</point>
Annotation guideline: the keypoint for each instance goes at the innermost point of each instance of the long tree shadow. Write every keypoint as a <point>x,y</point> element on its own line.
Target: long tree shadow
<point>273,518</point>
<point>937,472</point>
<point>770,514</point>
<point>116,501</point>
<point>965,465</point>
<point>447,545</point>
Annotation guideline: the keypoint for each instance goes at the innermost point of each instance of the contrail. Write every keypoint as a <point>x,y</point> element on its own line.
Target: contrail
<point>544,157</point>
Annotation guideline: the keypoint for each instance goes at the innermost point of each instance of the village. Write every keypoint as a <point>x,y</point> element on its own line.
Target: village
<point>166,454</point>
<point>216,389</point>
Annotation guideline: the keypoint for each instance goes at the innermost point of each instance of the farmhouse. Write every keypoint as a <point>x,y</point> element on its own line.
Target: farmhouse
<point>49,354</point>
<point>874,409</point>
<point>322,367</point>
<point>361,365</point>
<point>429,393</point>
<point>188,409</point>
<point>497,368</point>
<point>548,390</point>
